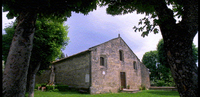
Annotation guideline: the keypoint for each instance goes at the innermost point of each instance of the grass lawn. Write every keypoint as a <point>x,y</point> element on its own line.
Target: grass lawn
<point>144,93</point>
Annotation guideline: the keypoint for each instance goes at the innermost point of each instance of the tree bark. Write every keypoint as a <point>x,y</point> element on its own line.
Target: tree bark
<point>178,40</point>
<point>16,69</point>
<point>182,64</point>
<point>33,68</point>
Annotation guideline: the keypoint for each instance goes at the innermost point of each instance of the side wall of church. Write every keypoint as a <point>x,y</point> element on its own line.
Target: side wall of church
<point>107,78</point>
<point>74,71</point>
<point>145,76</point>
<point>43,78</point>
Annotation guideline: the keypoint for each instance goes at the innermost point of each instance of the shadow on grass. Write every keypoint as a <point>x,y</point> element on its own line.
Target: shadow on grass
<point>164,93</point>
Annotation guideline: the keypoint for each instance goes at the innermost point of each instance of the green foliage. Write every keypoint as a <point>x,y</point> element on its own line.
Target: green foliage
<point>6,41</point>
<point>56,9</point>
<point>150,61</point>
<point>162,54</point>
<point>50,88</point>
<point>62,55</point>
<point>160,74</point>
<point>62,87</point>
<point>142,87</point>
<point>49,39</point>
<point>195,52</point>
<point>156,61</point>
<point>119,7</point>
<point>160,83</point>
<point>55,90</point>
<point>147,24</point>
<point>37,85</point>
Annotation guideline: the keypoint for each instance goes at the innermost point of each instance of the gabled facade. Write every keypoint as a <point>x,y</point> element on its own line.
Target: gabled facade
<point>103,68</point>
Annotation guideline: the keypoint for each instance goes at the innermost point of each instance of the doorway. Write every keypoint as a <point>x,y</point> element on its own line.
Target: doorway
<point>123,79</point>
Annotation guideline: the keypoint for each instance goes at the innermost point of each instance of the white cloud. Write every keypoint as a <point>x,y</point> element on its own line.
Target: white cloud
<point>123,24</point>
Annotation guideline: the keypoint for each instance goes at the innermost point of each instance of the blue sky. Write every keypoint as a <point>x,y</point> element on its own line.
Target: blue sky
<point>97,27</point>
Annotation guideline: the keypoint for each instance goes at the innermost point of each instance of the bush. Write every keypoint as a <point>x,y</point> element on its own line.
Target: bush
<point>48,88</point>
<point>142,87</point>
<point>43,85</point>
<point>55,90</point>
<point>62,87</point>
<point>161,83</point>
<point>37,85</point>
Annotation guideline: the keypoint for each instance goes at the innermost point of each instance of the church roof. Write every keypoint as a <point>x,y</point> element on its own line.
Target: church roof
<point>88,50</point>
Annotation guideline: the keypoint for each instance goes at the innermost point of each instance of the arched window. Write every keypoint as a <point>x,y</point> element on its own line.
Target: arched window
<point>134,65</point>
<point>121,55</point>
<point>102,61</point>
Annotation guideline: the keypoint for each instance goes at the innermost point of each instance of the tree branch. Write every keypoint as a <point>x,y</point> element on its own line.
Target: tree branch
<point>190,16</point>
<point>166,19</point>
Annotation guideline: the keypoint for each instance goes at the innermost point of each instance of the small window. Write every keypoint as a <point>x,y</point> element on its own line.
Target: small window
<point>121,55</point>
<point>134,65</point>
<point>102,60</point>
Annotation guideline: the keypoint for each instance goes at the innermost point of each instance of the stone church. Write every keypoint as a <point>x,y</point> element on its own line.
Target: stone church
<point>102,68</point>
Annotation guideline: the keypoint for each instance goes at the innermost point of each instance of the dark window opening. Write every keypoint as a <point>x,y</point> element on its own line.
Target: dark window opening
<point>102,61</point>
<point>134,65</point>
<point>121,56</point>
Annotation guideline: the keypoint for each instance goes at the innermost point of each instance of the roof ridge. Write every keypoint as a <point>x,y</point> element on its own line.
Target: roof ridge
<point>96,46</point>
<point>104,42</point>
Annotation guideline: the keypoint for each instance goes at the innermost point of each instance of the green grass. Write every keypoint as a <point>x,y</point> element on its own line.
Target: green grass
<point>144,93</point>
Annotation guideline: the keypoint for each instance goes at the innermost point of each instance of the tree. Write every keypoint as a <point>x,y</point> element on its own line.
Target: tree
<point>15,74</point>
<point>149,59</point>
<point>156,61</point>
<point>160,75</point>
<point>62,55</point>
<point>177,36</point>
<point>162,57</point>
<point>162,54</point>
<point>50,37</point>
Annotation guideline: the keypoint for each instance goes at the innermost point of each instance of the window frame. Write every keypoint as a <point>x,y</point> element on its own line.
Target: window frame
<point>102,61</point>
<point>134,65</point>
<point>121,55</point>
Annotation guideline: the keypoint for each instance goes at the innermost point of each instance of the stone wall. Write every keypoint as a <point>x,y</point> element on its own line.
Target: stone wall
<point>107,78</point>
<point>74,71</point>
<point>145,76</point>
<point>84,70</point>
<point>43,78</point>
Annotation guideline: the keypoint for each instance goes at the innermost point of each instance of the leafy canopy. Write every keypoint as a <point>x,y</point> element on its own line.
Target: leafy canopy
<point>162,54</point>
<point>49,39</point>
<point>48,8</point>
<point>149,59</point>
<point>156,61</point>
<point>121,7</point>
<point>160,74</point>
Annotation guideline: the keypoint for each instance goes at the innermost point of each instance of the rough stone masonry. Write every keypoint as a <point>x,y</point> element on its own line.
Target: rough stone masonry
<point>101,69</point>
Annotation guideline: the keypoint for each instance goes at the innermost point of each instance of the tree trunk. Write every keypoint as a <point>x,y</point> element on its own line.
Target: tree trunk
<point>182,64</point>
<point>178,39</point>
<point>33,68</point>
<point>16,69</point>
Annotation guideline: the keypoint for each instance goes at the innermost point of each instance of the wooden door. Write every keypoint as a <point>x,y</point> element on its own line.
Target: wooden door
<point>123,79</point>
